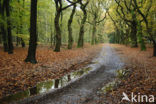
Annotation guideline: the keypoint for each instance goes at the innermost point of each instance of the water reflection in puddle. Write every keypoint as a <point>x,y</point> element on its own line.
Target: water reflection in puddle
<point>104,58</point>
<point>45,86</point>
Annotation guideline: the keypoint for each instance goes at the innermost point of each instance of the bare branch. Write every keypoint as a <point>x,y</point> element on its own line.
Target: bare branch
<point>103,18</point>
<point>72,3</point>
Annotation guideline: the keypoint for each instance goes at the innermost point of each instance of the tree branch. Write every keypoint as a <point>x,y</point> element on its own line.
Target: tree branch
<point>72,3</point>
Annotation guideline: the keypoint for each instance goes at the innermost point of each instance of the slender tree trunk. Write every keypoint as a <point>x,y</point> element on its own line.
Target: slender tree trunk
<point>17,40</point>
<point>117,34</point>
<point>81,33</point>
<point>54,42</point>
<point>33,34</point>
<point>3,28</point>
<point>70,37</point>
<point>4,37</point>
<point>58,31</point>
<point>94,34</point>
<point>21,26</point>
<point>22,43</point>
<point>51,36</point>
<point>61,28</point>
<point>51,39</point>
<point>81,37</point>
<point>10,44</point>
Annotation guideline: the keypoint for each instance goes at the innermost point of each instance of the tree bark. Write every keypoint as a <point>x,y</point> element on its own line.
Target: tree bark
<point>22,43</point>
<point>21,26</point>
<point>0,39</point>
<point>4,37</point>
<point>58,31</point>
<point>70,37</point>
<point>0,24</point>
<point>3,29</point>
<point>51,35</point>
<point>134,34</point>
<point>17,41</point>
<point>59,10</point>
<point>10,44</point>
<point>141,39</point>
<point>154,48</point>
<point>33,34</point>
<point>94,34</point>
<point>81,33</point>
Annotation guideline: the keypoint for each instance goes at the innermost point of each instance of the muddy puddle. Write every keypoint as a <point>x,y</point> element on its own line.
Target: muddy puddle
<point>106,61</point>
<point>46,86</point>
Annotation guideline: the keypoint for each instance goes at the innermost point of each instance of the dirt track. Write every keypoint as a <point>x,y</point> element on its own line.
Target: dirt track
<point>83,89</point>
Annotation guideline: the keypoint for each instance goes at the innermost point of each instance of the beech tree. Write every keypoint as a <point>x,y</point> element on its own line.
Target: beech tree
<point>20,26</point>
<point>144,16</point>
<point>10,44</point>
<point>82,24</point>
<point>3,26</point>
<point>132,21</point>
<point>31,57</point>
<point>96,10</point>
<point>59,9</point>
<point>70,37</point>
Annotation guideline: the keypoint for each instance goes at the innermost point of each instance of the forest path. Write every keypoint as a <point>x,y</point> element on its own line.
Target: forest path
<point>83,89</point>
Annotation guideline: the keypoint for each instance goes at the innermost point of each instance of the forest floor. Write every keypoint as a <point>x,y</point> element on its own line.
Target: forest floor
<point>140,80</point>
<point>16,75</point>
<point>81,90</point>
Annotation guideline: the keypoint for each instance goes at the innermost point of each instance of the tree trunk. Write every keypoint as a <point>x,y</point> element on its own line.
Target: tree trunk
<point>51,35</point>
<point>21,25</point>
<point>81,33</point>
<point>117,34</point>
<point>0,38</point>
<point>51,38</point>
<point>4,36</point>
<point>22,43</point>
<point>10,44</point>
<point>17,41</point>
<point>58,31</point>
<point>134,35</point>
<point>154,48</point>
<point>94,34</point>
<point>33,34</point>
<point>0,33</point>
<point>70,37</point>
<point>17,38</point>
<point>3,28</point>
<point>141,40</point>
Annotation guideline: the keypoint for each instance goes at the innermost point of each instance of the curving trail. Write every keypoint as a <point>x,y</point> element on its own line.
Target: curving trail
<point>79,91</point>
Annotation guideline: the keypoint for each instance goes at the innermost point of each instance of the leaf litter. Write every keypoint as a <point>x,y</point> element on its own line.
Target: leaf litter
<point>16,75</point>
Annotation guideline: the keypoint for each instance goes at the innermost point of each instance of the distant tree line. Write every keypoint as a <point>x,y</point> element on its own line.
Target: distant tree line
<point>134,23</point>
